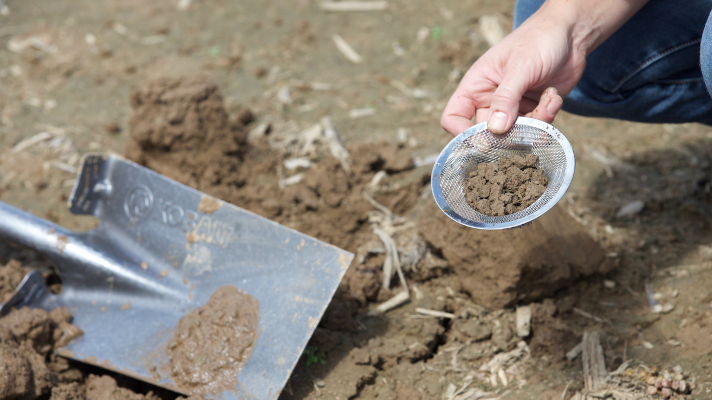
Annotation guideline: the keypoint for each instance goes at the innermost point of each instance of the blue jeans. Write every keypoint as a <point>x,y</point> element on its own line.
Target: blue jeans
<point>656,68</point>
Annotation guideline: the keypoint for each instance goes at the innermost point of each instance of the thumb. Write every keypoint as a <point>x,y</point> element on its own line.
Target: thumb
<point>504,107</point>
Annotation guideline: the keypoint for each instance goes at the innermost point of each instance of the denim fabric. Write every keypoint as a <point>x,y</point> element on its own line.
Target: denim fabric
<point>706,54</point>
<point>648,70</point>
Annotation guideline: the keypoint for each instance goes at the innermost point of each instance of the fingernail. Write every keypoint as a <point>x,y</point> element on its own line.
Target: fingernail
<point>554,105</point>
<point>497,122</point>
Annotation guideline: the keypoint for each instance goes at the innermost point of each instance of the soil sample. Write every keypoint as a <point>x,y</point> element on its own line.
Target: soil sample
<point>212,343</point>
<point>505,186</point>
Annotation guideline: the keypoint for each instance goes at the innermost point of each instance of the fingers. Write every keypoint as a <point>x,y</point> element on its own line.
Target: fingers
<point>549,105</point>
<point>504,108</point>
<point>458,112</point>
<point>481,115</point>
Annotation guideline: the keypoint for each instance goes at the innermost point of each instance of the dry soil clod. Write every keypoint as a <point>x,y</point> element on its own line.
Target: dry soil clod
<point>505,186</point>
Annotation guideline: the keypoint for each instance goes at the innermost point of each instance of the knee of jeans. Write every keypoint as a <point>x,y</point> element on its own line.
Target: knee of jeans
<point>706,54</point>
<point>524,9</point>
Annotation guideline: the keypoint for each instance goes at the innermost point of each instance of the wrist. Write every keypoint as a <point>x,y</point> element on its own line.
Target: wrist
<point>583,23</point>
<point>589,23</point>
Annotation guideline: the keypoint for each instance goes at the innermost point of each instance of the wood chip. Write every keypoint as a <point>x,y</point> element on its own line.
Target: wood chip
<point>299,162</point>
<point>433,313</point>
<point>64,167</point>
<point>573,353</point>
<point>587,315</point>
<point>361,112</point>
<point>292,180</point>
<point>390,304</point>
<point>392,260</point>
<point>153,40</point>
<point>346,6</point>
<point>594,363</point>
<point>346,49</point>
<point>258,132</point>
<point>31,141</point>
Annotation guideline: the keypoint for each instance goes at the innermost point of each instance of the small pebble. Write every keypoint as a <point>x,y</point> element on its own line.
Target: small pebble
<point>633,208</point>
<point>609,284</point>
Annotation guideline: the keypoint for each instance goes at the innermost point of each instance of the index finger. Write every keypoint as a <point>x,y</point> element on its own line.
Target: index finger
<point>458,113</point>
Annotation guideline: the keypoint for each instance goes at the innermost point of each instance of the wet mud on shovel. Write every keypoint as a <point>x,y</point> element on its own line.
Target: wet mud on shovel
<point>157,254</point>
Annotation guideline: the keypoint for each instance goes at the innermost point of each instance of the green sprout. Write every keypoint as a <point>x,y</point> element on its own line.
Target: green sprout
<point>436,32</point>
<point>215,51</point>
<point>314,356</point>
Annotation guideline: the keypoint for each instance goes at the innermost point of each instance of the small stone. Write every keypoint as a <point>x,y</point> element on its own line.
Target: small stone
<point>609,284</point>
<point>473,328</point>
<point>663,308</point>
<point>648,345</point>
<point>524,319</point>
<point>633,208</point>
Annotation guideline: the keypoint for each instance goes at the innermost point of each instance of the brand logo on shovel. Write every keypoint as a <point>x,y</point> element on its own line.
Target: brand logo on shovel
<point>139,202</point>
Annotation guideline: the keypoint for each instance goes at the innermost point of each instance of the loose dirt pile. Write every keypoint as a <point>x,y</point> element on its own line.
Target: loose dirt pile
<point>327,203</point>
<point>185,120</point>
<point>505,186</point>
<point>213,342</point>
<point>180,128</point>
<point>29,367</point>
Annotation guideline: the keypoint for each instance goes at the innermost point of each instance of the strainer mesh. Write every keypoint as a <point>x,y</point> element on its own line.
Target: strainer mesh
<point>483,146</point>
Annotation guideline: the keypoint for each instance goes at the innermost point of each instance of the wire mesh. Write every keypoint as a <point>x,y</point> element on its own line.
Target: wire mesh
<point>480,145</point>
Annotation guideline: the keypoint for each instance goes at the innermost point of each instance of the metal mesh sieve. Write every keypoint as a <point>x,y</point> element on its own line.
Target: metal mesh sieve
<point>477,145</point>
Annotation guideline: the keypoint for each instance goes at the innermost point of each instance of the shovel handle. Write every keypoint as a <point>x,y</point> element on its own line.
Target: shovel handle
<point>27,230</point>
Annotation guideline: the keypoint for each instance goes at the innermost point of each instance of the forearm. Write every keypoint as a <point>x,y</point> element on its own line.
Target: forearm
<point>591,22</point>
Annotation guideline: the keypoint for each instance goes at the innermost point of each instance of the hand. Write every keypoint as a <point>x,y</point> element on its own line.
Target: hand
<point>526,74</point>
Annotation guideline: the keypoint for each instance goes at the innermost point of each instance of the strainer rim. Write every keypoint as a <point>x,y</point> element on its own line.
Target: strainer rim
<point>521,121</point>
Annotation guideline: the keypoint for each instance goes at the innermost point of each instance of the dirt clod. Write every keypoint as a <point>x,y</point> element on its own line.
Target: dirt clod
<point>180,128</point>
<point>28,366</point>
<point>552,252</point>
<point>212,343</point>
<point>505,186</point>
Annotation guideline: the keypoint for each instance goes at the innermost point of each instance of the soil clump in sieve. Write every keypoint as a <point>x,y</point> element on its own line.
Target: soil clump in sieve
<point>212,343</point>
<point>505,186</point>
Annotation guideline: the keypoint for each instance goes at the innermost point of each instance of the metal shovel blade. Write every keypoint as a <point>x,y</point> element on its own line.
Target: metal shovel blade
<point>157,253</point>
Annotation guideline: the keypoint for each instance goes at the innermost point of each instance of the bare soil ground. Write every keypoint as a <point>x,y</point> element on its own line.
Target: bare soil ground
<point>67,73</point>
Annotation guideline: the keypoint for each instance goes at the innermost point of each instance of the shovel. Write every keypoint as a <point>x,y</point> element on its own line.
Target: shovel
<point>161,249</point>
